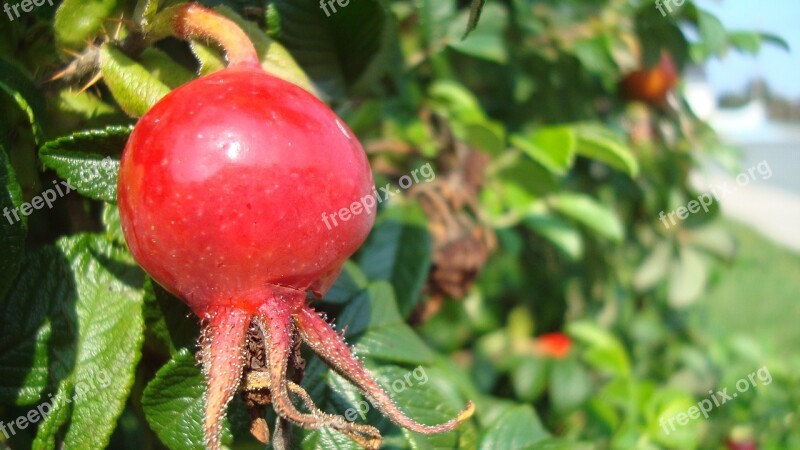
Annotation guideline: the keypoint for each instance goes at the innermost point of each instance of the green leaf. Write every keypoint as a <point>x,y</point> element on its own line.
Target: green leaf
<point>776,40</point>
<point>78,21</point>
<point>397,343</point>
<point>374,322</point>
<point>552,147</point>
<point>518,428</point>
<point>144,12</point>
<point>350,283</point>
<point>712,32</point>
<point>605,351</point>
<point>687,279</point>
<point>112,224</point>
<point>12,231</point>
<point>88,160</point>
<point>164,68</point>
<point>173,403</point>
<point>562,234</point>
<point>456,101</point>
<point>603,145</point>
<point>349,49</point>
<point>529,377</point>
<point>654,268</point>
<point>169,319</point>
<point>586,210</point>
<point>487,136</point>
<point>749,43</point>
<point>475,9</point>
<point>486,42</point>
<point>25,93</point>
<point>569,385</point>
<point>210,59</point>
<point>101,364</point>
<point>132,85</point>
<point>428,396</point>
<point>27,342</point>
<point>399,251</point>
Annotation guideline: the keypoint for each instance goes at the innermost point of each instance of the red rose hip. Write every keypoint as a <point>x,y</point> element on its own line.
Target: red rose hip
<point>222,191</point>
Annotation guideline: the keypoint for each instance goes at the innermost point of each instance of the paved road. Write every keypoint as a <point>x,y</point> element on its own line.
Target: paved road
<point>770,204</point>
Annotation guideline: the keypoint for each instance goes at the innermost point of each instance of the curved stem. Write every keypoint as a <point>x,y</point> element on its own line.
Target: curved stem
<point>192,21</point>
<point>330,346</point>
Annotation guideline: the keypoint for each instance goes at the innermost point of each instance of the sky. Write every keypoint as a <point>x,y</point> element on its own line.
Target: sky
<point>779,68</point>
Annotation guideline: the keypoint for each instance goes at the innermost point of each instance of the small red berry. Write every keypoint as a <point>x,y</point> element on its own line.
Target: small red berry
<point>554,345</point>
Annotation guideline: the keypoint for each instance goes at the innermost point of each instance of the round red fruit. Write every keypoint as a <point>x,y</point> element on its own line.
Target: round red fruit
<point>224,183</point>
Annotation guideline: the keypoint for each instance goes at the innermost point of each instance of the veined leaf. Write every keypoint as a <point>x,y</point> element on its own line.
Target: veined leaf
<point>132,85</point>
<point>88,160</point>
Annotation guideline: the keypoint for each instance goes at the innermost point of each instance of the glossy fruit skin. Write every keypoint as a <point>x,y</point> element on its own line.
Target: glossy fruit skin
<point>223,184</point>
<point>651,84</point>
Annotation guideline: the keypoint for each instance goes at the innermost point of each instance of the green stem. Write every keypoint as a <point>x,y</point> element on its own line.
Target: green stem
<point>189,21</point>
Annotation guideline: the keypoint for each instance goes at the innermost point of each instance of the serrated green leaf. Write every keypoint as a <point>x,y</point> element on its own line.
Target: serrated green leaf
<point>25,93</point>
<point>592,214</point>
<point>348,50</point>
<point>12,231</point>
<point>78,21</point>
<point>112,224</point>
<point>598,143</point>
<point>518,428</point>
<point>88,160</point>
<point>552,147</point>
<point>399,251</point>
<point>132,85</point>
<point>100,367</point>
<point>173,404</point>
